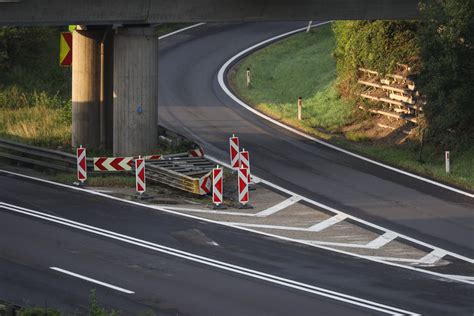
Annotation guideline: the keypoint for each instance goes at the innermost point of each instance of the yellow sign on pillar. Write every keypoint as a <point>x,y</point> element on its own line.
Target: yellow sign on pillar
<point>65,49</point>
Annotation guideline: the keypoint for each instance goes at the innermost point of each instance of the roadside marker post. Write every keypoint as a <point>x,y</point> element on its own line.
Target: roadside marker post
<point>81,165</point>
<point>243,185</point>
<point>140,182</point>
<point>300,107</point>
<point>234,152</point>
<point>248,77</point>
<point>448,161</point>
<point>217,186</point>
<point>245,162</point>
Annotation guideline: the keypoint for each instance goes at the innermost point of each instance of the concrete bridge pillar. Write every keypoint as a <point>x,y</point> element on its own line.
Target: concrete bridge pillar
<point>86,88</point>
<point>135,91</point>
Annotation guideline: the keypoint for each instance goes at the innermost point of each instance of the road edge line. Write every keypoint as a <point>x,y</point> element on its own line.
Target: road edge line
<point>221,78</point>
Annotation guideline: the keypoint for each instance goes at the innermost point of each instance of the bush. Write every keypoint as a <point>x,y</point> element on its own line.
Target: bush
<point>377,45</point>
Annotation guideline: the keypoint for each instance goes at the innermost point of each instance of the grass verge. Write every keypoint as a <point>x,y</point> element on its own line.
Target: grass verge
<point>303,65</point>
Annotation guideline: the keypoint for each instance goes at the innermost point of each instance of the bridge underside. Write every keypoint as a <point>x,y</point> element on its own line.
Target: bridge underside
<point>103,12</point>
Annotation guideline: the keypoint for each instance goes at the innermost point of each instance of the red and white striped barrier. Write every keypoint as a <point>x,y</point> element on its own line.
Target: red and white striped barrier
<point>234,152</point>
<point>140,183</point>
<point>217,186</point>
<point>118,163</point>
<point>243,185</point>
<point>81,164</point>
<point>205,184</point>
<point>196,153</point>
<point>245,162</point>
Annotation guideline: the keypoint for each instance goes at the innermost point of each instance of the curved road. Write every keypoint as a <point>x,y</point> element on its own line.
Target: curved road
<point>192,103</point>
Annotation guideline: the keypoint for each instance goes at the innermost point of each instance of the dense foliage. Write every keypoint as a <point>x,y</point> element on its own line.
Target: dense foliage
<point>29,68</point>
<point>447,49</point>
<point>375,45</point>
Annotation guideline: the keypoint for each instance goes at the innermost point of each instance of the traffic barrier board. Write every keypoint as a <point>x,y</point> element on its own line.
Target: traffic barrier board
<point>65,49</point>
<point>118,163</point>
<point>243,185</point>
<point>81,164</point>
<point>140,175</point>
<point>234,152</point>
<point>217,185</point>
<point>245,161</point>
<point>205,184</point>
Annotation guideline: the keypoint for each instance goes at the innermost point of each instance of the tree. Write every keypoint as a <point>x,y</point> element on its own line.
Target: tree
<point>447,50</point>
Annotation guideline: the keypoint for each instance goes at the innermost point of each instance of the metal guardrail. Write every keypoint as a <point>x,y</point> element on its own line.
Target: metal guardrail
<point>176,170</point>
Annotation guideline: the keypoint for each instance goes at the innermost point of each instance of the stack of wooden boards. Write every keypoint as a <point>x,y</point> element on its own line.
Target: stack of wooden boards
<point>395,93</point>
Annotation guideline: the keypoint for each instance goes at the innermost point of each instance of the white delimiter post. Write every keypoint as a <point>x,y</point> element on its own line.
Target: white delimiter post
<point>448,162</point>
<point>135,96</point>
<point>300,107</point>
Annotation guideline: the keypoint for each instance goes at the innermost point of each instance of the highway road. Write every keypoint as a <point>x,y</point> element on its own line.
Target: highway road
<point>52,236</point>
<point>193,104</point>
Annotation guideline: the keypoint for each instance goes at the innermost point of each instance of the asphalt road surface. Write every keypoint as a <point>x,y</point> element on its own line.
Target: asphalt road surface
<point>193,104</point>
<point>153,265</point>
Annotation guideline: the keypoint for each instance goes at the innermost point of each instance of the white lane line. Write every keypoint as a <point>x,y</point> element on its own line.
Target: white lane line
<point>280,206</point>
<point>374,259</point>
<point>221,79</point>
<point>433,257</point>
<point>180,30</point>
<point>211,262</point>
<point>382,240</point>
<point>462,277</point>
<point>92,280</point>
<point>183,209</point>
<point>328,222</point>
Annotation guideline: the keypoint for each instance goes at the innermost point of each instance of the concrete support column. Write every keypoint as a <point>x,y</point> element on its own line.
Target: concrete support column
<point>135,95</point>
<point>86,88</point>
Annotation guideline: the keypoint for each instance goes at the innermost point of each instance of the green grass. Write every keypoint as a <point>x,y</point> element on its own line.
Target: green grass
<point>303,65</point>
<point>300,66</point>
<point>37,125</point>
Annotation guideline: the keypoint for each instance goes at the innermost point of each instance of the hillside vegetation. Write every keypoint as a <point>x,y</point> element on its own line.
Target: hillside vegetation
<point>321,67</point>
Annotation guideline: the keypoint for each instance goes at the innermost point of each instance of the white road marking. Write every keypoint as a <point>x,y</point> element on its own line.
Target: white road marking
<point>268,226</point>
<point>92,280</point>
<point>221,80</point>
<point>382,240</point>
<point>395,259</point>
<point>180,30</point>
<point>328,222</point>
<point>211,262</point>
<point>371,258</point>
<point>278,207</point>
<point>194,210</point>
<point>433,256</point>
<point>334,244</point>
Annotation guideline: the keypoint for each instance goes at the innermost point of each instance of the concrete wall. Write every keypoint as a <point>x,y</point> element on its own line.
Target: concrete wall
<point>63,12</point>
<point>135,95</point>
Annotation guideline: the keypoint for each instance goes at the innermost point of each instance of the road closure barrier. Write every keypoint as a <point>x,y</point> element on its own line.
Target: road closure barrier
<point>81,164</point>
<point>140,182</point>
<point>243,185</point>
<point>118,163</point>
<point>245,162</point>
<point>234,152</point>
<point>217,185</point>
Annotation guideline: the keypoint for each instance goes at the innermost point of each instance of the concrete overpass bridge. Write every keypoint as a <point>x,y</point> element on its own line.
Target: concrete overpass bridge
<point>115,52</point>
